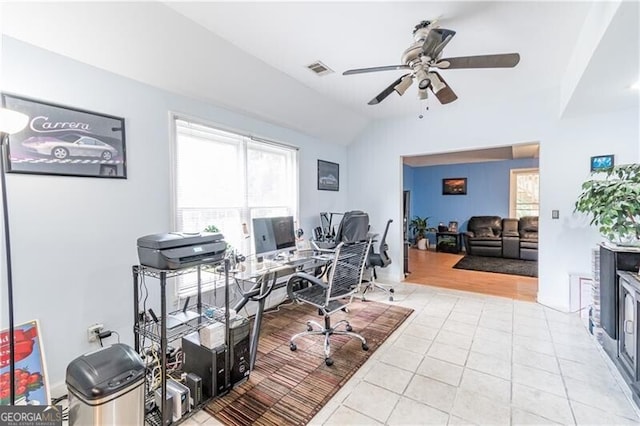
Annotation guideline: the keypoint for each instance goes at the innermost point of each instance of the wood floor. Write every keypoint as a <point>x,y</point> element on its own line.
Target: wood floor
<point>436,269</point>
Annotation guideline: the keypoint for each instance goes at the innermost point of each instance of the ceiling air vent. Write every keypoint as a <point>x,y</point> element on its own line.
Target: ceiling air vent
<point>319,68</point>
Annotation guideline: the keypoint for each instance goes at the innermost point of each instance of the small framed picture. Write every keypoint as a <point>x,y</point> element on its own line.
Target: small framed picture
<point>601,162</point>
<point>62,140</point>
<point>454,186</point>
<point>328,176</point>
<point>453,226</point>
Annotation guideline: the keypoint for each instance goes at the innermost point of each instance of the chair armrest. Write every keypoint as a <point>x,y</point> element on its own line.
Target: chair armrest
<point>302,276</point>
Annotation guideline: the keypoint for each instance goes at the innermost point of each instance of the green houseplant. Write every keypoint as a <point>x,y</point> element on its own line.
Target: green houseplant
<point>418,226</point>
<point>612,199</point>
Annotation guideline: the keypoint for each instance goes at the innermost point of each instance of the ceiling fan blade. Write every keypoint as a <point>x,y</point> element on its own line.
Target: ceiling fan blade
<point>374,69</point>
<point>386,92</point>
<point>441,89</point>
<point>436,40</point>
<point>506,60</point>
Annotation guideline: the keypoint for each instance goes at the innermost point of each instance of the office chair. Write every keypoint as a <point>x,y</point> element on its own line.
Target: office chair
<point>380,260</point>
<point>353,227</point>
<point>332,296</point>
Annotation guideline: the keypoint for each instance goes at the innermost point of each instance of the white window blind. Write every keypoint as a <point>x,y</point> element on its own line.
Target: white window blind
<point>525,193</point>
<point>225,179</point>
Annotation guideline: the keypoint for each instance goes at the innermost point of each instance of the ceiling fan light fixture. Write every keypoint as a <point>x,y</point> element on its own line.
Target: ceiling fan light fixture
<point>423,94</point>
<point>436,84</point>
<point>404,84</point>
<point>422,78</point>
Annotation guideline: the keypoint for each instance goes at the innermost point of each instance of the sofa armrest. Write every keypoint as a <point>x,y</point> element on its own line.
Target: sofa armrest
<point>469,234</point>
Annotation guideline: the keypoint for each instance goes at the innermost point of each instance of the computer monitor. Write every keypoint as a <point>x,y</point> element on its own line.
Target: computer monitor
<point>273,234</point>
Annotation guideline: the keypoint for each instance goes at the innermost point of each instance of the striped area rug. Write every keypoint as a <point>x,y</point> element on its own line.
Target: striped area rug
<point>289,388</point>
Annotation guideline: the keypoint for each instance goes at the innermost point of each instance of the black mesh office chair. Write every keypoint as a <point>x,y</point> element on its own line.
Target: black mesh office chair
<point>333,295</point>
<point>379,260</point>
<point>353,227</point>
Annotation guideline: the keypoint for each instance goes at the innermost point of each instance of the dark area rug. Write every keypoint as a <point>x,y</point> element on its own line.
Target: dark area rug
<point>289,388</point>
<point>527,268</point>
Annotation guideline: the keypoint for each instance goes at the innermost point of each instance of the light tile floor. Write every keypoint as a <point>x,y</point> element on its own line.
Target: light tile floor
<point>464,358</point>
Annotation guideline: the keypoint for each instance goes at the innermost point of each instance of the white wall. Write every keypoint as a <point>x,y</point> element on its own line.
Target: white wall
<point>74,239</point>
<point>375,170</point>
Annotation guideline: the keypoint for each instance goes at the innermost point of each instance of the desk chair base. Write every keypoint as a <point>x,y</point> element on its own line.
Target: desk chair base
<point>327,331</point>
<point>372,285</point>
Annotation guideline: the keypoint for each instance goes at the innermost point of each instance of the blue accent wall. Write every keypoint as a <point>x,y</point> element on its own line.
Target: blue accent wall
<point>487,190</point>
<point>407,177</point>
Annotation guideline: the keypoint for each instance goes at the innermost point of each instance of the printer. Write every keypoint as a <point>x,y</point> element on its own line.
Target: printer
<point>177,250</point>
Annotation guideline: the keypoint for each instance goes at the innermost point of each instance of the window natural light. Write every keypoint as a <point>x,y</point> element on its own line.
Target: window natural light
<point>225,179</point>
<point>524,197</point>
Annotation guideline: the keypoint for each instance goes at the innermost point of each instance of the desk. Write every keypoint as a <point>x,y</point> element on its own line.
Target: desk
<point>266,277</point>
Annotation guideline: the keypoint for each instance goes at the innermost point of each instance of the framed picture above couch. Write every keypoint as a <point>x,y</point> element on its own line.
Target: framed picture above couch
<point>454,186</point>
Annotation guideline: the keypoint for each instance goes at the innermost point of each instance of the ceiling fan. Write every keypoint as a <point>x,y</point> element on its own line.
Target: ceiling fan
<point>424,55</point>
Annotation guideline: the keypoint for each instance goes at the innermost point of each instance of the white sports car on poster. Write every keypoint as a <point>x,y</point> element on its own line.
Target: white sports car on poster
<point>70,146</point>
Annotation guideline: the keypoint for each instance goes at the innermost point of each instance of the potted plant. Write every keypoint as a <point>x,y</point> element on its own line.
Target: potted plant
<point>612,199</point>
<point>418,226</point>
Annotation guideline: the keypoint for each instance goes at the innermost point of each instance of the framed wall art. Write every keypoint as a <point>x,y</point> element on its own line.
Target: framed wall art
<point>328,176</point>
<point>61,140</point>
<point>601,162</point>
<point>32,380</point>
<point>454,186</point>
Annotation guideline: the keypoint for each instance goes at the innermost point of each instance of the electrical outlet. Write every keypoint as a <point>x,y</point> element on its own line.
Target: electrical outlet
<point>93,331</point>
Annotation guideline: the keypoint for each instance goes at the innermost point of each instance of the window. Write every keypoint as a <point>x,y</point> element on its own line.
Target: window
<point>225,179</point>
<point>524,199</point>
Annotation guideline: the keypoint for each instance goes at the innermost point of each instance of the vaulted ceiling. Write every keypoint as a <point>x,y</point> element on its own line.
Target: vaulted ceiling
<point>252,57</point>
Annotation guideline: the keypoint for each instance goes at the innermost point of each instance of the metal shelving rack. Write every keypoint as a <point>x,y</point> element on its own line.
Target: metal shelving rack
<point>146,328</point>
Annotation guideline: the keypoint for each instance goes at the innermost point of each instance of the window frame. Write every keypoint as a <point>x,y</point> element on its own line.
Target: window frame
<point>513,207</point>
<point>245,209</point>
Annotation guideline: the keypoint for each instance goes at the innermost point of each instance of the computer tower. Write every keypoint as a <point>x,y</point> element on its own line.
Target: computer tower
<point>239,331</point>
<point>207,363</point>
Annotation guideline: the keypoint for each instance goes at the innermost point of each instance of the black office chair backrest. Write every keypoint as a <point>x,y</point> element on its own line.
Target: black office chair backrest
<point>353,227</point>
<point>380,259</point>
<point>384,257</point>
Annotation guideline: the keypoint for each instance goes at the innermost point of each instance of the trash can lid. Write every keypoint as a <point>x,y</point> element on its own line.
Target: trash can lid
<point>106,371</point>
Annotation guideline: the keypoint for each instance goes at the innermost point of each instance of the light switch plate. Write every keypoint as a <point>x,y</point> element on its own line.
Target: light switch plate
<point>555,214</point>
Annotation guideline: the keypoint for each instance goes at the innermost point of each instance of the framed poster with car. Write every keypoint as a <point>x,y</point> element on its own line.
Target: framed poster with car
<point>328,176</point>
<point>61,140</point>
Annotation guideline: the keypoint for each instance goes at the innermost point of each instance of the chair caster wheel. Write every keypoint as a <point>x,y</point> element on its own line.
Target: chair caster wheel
<point>349,328</point>
<point>391,290</point>
<point>390,298</point>
<point>292,346</point>
<point>365,347</point>
<point>328,361</point>
<point>309,328</point>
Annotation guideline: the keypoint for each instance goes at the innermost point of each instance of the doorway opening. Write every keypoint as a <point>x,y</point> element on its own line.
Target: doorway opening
<point>481,207</point>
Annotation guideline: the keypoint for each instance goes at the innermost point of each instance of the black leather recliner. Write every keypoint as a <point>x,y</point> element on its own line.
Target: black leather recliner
<point>528,230</point>
<point>484,236</point>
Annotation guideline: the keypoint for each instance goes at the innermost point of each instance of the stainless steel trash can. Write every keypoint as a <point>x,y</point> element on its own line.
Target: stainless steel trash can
<point>106,387</point>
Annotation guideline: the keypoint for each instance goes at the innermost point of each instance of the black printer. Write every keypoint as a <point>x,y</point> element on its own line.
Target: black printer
<point>177,250</point>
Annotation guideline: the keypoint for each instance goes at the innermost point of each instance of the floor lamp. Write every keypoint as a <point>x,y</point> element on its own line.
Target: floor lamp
<point>10,122</point>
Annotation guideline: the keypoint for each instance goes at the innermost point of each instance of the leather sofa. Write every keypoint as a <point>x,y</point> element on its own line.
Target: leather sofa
<point>528,232</point>
<point>497,237</point>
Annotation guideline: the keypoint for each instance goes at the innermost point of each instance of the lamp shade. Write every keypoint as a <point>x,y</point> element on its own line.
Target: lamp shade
<point>12,121</point>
